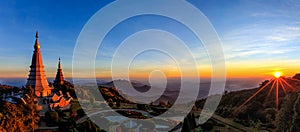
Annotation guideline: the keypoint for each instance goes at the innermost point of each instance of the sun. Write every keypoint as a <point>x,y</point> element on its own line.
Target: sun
<point>277,74</point>
<point>278,83</point>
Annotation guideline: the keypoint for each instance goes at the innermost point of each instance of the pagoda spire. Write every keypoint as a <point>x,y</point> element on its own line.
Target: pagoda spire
<point>37,78</point>
<point>59,65</point>
<point>59,79</point>
<point>37,43</point>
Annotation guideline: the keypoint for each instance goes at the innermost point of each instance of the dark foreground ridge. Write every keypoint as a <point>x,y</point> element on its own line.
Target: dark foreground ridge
<point>260,113</point>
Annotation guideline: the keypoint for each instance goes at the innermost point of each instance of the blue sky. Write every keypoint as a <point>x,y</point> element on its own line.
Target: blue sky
<point>258,36</point>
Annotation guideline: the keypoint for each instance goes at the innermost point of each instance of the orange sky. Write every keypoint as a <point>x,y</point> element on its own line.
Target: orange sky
<point>241,69</point>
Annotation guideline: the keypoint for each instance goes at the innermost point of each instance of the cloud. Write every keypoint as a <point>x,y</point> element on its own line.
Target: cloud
<point>276,38</point>
<point>242,54</point>
<point>262,14</point>
<point>261,40</point>
<point>285,33</point>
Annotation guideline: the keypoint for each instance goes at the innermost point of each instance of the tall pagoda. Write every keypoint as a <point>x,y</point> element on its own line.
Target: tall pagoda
<point>59,79</point>
<point>37,78</point>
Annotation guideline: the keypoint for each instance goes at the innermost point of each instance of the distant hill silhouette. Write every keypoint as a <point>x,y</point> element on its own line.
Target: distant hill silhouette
<point>135,84</point>
<point>124,85</point>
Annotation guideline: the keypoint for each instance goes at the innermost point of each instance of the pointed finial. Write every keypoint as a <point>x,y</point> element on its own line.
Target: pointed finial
<point>37,34</point>
<point>37,44</point>
<point>59,65</point>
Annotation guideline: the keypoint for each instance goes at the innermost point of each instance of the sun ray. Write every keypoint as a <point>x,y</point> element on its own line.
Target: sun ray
<point>262,88</point>
<point>286,83</point>
<point>294,79</point>
<point>282,86</point>
<point>276,95</point>
<point>277,83</point>
<point>273,84</point>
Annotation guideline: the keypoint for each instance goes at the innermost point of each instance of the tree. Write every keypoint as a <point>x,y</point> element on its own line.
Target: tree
<point>11,118</point>
<point>284,119</point>
<point>88,126</point>
<point>51,118</point>
<point>110,102</point>
<point>31,111</point>
<point>20,117</point>
<point>264,83</point>
<point>118,104</point>
<point>66,87</point>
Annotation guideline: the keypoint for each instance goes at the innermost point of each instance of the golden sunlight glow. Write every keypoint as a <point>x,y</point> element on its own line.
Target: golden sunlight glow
<point>279,84</point>
<point>277,74</point>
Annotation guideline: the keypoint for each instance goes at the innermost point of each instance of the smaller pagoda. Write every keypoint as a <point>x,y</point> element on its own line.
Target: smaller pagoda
<point>59,79</point>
